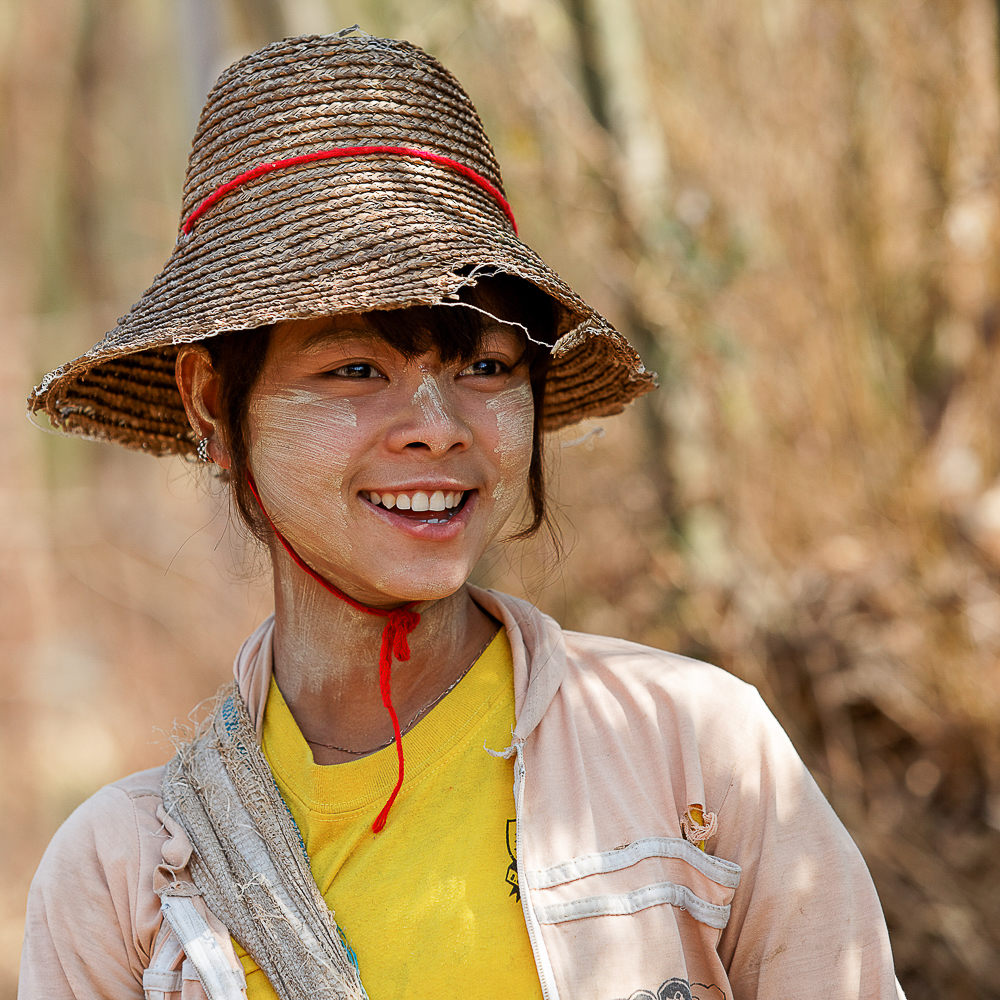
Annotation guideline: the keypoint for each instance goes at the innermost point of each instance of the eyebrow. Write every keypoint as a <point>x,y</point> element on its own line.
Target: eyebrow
<point>327,337</point>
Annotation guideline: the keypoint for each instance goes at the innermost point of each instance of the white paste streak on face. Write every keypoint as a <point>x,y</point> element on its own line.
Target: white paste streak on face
<point>428,397</point>
<point>341,410</point>
<point>296,427</point>
<point>515,426</point>
<point>515,419</point>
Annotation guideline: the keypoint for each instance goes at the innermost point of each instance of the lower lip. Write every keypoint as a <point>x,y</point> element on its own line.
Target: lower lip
<point>424,530</point>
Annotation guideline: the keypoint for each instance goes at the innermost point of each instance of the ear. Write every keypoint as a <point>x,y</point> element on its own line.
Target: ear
<point>199,386</point>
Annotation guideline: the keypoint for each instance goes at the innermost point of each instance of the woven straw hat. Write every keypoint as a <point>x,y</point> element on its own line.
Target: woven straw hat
<point>328,174</point>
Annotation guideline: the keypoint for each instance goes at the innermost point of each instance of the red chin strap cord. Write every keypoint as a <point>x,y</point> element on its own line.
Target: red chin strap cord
<point>400,622</point>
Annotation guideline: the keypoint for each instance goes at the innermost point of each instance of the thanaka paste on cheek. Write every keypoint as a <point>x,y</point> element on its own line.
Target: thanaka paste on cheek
<point>295,430</point>
<point>514,414</point>
<point>515,419</point>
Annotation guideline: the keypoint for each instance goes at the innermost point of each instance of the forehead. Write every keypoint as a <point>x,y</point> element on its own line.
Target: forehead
<point>454,331</point>
<point>311,335</point>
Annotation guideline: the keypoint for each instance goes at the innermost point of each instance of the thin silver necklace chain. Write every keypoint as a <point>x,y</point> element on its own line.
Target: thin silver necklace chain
<point>413,721</point>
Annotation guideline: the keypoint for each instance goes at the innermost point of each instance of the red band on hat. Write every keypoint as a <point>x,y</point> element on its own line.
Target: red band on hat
<point>345,151</point>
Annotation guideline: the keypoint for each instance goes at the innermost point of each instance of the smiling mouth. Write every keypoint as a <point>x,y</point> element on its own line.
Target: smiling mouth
<point>436,507</point>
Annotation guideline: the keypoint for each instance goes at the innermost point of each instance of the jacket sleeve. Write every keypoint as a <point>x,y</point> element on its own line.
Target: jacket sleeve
<point>805,921</point>
<point>84,937</point>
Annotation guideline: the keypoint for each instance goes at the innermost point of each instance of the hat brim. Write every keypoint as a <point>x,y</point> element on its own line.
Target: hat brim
<point>322,239</point>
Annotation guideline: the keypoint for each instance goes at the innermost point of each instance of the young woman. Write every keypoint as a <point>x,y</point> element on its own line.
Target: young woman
<point>414,787</point>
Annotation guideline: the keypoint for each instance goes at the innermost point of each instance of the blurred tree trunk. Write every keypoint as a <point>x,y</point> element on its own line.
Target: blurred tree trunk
<point>85,272</point>
<point>205,40</point>
<point>201,46</point>
<point>612,66</point>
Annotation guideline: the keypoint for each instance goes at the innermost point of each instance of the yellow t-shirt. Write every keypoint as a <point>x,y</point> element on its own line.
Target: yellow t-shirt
<point>430,905</point>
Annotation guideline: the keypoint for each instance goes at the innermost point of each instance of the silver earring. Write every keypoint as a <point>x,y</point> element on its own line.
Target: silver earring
<point>202,450</point>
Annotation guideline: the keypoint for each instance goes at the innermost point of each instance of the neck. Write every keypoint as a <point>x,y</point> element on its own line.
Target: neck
<point>326,656</point>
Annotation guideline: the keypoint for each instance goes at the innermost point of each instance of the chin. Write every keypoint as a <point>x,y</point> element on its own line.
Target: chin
<point>427,591</point>
<point>413,587</point>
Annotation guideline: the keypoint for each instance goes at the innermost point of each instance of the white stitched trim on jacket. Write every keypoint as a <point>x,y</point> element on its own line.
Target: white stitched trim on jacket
<point>623,904</point>
<point>719,870</point>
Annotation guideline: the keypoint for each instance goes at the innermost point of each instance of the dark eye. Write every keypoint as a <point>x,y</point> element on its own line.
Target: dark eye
<point>486,367</point>
<point>357,369</point>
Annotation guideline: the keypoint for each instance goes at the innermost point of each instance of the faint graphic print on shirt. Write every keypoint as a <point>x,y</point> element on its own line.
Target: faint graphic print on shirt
<point>680,989</point>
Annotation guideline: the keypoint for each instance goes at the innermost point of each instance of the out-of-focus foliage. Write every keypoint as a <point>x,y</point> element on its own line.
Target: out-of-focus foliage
<point>791,206</point>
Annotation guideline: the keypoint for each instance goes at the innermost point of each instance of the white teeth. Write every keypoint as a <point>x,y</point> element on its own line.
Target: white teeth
<point>419,500</point>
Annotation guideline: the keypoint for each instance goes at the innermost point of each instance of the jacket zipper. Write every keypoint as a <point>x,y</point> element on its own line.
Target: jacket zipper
<point>534,934</point>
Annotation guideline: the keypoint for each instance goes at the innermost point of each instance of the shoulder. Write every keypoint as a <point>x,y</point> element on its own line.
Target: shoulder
<point>113,823</point>
<point>647,677</point>
<point>565,664</point>
<point>609,698</point>
<point>93,890</point>
<point>710,729</point>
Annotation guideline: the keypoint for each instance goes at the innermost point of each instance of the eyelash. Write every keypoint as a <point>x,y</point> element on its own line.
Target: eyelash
<point>342,372</point>
<point>360,370</point>
<point>501,368</point>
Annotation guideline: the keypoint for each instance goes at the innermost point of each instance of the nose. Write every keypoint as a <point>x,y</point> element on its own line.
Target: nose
<point>430,420</point>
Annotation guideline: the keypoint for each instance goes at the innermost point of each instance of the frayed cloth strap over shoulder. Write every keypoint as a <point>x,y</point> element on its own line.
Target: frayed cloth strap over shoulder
<point>249,862</point>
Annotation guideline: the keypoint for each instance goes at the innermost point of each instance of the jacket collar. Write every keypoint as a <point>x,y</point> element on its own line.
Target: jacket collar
<point>539,652</point>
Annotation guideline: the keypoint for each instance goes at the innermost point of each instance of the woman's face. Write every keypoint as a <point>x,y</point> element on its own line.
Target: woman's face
<point>389,475</point>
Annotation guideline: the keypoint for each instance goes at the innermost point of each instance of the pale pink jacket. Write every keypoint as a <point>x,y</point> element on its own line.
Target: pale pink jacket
<point>614,743</point>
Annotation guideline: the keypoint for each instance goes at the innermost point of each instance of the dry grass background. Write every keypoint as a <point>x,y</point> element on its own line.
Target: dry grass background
<point>791,205</point>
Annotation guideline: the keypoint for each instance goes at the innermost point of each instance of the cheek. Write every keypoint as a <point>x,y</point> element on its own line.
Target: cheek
<point>299,449</point>
<point>514,414</point>
<point>513,411</point>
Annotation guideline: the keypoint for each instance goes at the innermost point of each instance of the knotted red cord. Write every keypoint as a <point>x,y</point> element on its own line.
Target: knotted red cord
<point>347,151</point>
<point>400,622</point>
